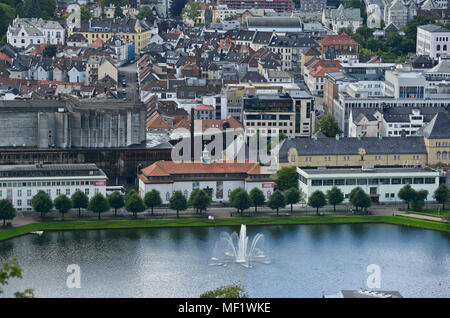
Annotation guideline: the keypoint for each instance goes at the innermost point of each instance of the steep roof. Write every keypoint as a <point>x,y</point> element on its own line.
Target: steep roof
<point>337,39</point>
<point>438,128</point>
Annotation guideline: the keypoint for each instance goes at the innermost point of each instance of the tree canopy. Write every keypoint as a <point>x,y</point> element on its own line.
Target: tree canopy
<point>200,200</point>
<point>134,204</point>
<point>98,204</point>
<point>176,7</point>
<point>287,178</point>
<point>257,198</point>
<point>229,291</point>
<point>407,194</point>
<point>292,196</point>
<point>328,126</point>
<point>178,202</point>
<point>63,204</point>
<point>317,200</point>
<point>240,200</point>
<point>116,201</point>
<point>276,201</point>
<point>360,199</point>
<point>42,203</point>
<point>7,211</point>
<point>335,197</point>
<point>145,12</point>
<point>11,269</point>
<point>79,201</point>
<point>441,195</point>
<point>152,199</point>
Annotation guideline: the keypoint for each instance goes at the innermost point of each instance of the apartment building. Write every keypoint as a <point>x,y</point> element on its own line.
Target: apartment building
<point>19,183</point>
<point>29,31</point>
<point>432,40</point>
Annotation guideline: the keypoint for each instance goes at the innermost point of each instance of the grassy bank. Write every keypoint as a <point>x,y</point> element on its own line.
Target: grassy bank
<point>131,224</point>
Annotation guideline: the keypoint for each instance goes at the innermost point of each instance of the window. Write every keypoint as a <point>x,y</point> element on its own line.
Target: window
<point>339,182</point>
<point>350,181</point>
<point>385,181</point>
<point>407,180</point>
<point>67,192</point>
<point>392,195</point>
<point>86,191</point>
<point>396,180</point>
<point>316,182</point>
<point>328,182</point>
<point>430,180</point>
<point>418,180</point>
<point>362,181</point>
<point>58,192</point>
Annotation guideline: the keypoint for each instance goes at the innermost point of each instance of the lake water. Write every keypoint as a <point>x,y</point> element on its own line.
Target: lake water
<point>173,262</point>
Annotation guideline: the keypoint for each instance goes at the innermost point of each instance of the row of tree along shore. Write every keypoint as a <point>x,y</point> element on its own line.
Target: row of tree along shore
<point>200,201</point>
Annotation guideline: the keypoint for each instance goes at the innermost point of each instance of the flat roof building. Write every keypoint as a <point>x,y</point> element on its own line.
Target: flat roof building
<point>19,183</point>
<point>381,183</point>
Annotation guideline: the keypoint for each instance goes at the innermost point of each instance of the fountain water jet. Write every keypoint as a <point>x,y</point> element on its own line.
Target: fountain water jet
<point>234,248</point>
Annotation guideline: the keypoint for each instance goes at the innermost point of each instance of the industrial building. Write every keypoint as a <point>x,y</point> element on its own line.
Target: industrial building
<point>70,122</point>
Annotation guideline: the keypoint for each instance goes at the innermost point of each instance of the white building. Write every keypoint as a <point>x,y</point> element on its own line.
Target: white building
<point>382,184</point>
<point>217,179</point>
<point>432,40</point>
<point>29,31</point>
<point>341,17</point>
<point>19,183</point>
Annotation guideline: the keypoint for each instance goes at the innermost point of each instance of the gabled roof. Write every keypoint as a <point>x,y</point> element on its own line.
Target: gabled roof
<point>438,128</point>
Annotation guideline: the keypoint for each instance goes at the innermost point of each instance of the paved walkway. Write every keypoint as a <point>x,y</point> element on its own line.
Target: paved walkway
<point>420,216</point>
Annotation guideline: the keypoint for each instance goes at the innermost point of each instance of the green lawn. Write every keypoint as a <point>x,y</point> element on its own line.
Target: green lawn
<point>122,224</point>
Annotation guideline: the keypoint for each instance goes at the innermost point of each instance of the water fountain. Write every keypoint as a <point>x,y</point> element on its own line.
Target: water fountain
<point>234,248</point>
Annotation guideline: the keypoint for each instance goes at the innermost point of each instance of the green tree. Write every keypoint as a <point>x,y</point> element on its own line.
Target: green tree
<point>42,203</point>
<point>192,10</point>
<point>200,200</point>
<point>116,201</point>
<point>63,204</point>
<point>152,199</point>
<point>317,200</point>
<point>419,200</point>
<point>7,211</point>
<point>178,202</point>
<point>11,269</point>
<point>8,14</point>
<point>118,12</point>
<point>134,204</point>
<point>49,51</point>
<point>407,194</point>
<point>410,28</point>
<point>328,126</point>
<point>98,204</point>
<point>257,198</point>
<point>176,7</point>
<point>85,13</point>
<point>145,12</point>
<point>240,200</point>
<point>292,196</point>
<point>360,199</point>
<point>79,201</point>
<point>441,195</point>
<point>287,178</point>
<point>276,201</point>
<point>116,3</point>
<point>335,197</point>
<point>229,291</point>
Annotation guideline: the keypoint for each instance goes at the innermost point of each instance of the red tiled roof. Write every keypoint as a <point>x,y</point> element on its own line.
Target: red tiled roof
<point>169,168</point>
<point>204,107</point>
<point>337,39</point>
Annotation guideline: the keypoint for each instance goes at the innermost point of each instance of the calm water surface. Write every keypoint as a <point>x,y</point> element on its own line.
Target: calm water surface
<point>174,262</point>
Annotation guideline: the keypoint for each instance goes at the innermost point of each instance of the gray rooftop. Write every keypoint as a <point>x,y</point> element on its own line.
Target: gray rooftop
<point>351,146</point>
<point>350,170</point>
<point>49,170</point>
<point>438,128</point>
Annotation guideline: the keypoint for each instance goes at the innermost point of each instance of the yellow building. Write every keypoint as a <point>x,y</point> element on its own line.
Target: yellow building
<point>437,139</point>
<point>340,152</point>
<point>97,28</point>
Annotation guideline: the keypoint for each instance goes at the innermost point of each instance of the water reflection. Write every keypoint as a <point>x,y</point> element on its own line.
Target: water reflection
<point>173,262</point>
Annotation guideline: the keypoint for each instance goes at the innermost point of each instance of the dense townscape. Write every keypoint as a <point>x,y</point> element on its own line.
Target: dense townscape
<point>274,106</point>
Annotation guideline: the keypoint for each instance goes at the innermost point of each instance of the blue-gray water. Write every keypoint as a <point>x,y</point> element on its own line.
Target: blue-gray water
<point>174,262</point>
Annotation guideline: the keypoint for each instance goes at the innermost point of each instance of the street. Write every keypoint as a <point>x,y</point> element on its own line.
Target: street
<point>129,73</point>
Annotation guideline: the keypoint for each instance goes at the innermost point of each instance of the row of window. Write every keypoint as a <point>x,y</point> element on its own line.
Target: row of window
<point>368,181</point>
<point>57,192</point>
<point>44,184</point>
<point>376,158</point>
